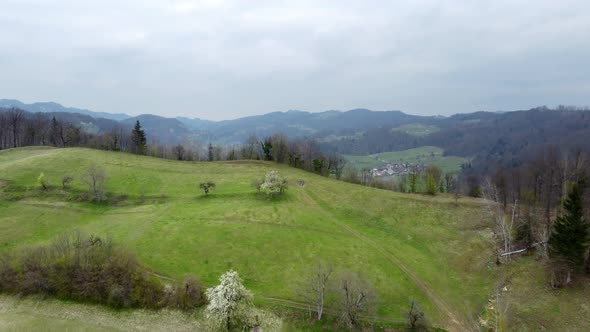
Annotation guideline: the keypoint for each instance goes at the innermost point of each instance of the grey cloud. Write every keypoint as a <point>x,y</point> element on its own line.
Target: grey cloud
<point>220,59</point>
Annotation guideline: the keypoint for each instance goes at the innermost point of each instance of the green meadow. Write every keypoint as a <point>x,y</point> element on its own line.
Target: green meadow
<point>409,247</point>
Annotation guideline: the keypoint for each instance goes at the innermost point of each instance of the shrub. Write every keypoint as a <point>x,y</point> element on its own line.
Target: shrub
<point>207,187</point>
<point>90,269</point>
<point>96,179</point>
<point>416,320</point>
<point>66,180</point>
<point>273,185</point>
<point>42,181</point>
<point>190,294</point>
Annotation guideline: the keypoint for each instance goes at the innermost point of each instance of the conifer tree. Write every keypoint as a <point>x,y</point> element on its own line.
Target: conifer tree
<point>138,138</point>
<point>210,154</point>
<point>569,239</point>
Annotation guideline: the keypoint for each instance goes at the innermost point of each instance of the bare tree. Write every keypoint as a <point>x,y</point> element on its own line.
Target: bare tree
<point>496,210</point>
<point>179,152</point>
<point>250,150</point>
<point>336,164</point>
<point>280,148</point>
<point>95,178</point>
<point>356,298</point>
<point>15,119</point>
<point>315,287</point>
<point>416,320</point>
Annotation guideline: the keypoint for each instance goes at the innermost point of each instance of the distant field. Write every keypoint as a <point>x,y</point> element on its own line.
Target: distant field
<point>409,247</point>
<point>416,129</point>
<point>429,155</point>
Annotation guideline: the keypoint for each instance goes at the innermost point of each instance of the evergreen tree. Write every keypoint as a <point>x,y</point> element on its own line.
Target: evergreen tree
<point>569,239</point>
<point>211,155</point>
<point>138,138</point>
<point>267,148</point>
<point>55,133</point>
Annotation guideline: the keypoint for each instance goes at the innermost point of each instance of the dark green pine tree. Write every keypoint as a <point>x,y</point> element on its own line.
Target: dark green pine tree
<point>569,239</point>
<point>138,138</point>
<point>210,154</point>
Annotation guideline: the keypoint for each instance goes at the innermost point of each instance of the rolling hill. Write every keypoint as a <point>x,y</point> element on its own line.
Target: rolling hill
<point>407,246</point>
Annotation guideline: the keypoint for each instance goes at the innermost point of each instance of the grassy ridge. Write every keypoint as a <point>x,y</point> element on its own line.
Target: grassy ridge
<point>162,217</point>
<point>428,155</point>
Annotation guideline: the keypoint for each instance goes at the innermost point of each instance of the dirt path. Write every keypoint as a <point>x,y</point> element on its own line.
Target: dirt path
<point>455,323</point>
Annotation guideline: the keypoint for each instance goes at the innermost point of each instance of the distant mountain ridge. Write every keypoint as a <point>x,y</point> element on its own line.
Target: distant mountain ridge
<point>486,138</point>
<point>293,123</point>
<point>51,107</point>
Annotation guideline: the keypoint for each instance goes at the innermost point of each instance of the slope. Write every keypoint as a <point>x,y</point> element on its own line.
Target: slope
<point>407,246</point>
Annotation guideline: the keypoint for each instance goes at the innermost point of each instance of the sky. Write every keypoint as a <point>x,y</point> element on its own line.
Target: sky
<point>221,59</point>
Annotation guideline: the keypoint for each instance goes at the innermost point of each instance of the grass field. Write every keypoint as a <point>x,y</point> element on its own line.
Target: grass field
<point>36,314</point>
<point>428,155</point>
<point>416,129</point>
<point>409,247</point>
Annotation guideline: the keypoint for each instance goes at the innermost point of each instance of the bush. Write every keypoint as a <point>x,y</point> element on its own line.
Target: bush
<point>416,320</point>
<point>42,182</point>
<point>190,294</point>
<point>96,179</point>
<point>66,180</point>
<point>273,185</point>
<point>90,269</point>
<point>207,187</point>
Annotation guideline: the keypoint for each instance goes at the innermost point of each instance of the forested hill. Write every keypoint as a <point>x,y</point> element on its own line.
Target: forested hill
<point>51,107</point>
<point>487,138</point>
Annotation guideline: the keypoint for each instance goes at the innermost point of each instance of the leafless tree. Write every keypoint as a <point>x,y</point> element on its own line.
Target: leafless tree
<point>15,119</point>
<point>315,287</point>
<point>495,208</point>
<point>250,150</point>
<point>95,178</point>
<point>179,152</point>
<point>280,148</point>
<point>336,164</point>
<point>4,129</point>
<point>356,298</point>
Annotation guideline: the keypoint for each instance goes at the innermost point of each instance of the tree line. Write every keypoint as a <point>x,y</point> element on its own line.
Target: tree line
<point>19,128</point>
<point>542,206</point>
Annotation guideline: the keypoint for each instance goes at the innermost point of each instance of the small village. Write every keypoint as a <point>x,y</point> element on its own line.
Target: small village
<point>391,169</point>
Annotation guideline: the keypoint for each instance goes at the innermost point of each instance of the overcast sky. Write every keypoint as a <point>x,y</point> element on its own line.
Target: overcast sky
<point>218,59</point>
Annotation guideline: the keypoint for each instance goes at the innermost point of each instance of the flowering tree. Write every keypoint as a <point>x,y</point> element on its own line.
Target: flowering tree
<point>274,184</point>
<point>229,301</point>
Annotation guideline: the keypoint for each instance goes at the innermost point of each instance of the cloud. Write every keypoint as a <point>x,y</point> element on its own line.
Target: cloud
<point>223,59</point>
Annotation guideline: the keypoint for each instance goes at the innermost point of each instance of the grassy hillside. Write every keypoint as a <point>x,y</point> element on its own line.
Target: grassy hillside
<point>409,247</point>
<point>428,155</point>
<point>36,314</point>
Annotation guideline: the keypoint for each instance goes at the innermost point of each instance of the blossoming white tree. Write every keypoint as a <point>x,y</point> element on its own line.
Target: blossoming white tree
<point>274,184</point>
<point>229,301</point>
